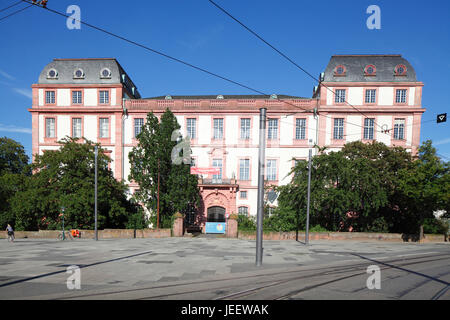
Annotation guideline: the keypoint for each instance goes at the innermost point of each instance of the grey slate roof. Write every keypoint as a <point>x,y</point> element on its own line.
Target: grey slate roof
<point>91,68</point>
<point>355,65</point>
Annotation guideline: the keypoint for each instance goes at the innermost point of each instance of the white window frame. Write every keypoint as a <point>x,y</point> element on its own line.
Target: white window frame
<point>245,128</point>
<point>191,127</point>
<point>272,129</point>
<point>77,127</point>
<point>338,129</point>
<point>271,172</point>
<point>50,127</point>
<point>104,128</point>
<point>369,125</point>
<point>300,128</point>
<point>104,97</point>
<point>399,129</point>
<point>218,128</point>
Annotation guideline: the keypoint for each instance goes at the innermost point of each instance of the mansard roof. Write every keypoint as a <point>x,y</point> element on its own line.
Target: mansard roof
<point>92,73</point>
<point>355,65</point>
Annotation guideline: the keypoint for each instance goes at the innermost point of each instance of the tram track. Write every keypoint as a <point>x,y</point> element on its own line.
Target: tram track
<point>218,285</point>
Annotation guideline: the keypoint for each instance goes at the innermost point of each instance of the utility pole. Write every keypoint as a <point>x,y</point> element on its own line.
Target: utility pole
<point>261,166</point>
<point>309,196</point>
<point>96,156</point>
<point>157,205</point>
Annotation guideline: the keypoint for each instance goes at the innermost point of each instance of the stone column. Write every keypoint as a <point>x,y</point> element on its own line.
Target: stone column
<point>232,226</point>
<point>178,227</point>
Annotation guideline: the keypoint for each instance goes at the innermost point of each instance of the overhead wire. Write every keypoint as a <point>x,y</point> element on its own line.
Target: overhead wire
<point>14,13</point>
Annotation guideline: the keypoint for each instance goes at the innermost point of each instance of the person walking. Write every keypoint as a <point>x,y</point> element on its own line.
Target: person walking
<point>10,232</point>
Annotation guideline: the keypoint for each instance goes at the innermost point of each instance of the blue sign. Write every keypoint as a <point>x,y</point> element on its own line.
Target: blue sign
<point>215,227</point>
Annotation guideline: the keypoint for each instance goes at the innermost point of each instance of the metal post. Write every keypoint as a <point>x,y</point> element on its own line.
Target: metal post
<point>309,196</point>
<point>96,155</point>
<point>261,166</point>
<point>157,205</point>
<point>63,235</point>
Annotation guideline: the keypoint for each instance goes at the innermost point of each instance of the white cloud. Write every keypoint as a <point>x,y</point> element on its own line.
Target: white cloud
<point>444,141</point>
<point>9,128</point>
<point>7,76</point>
<point>25,92</point>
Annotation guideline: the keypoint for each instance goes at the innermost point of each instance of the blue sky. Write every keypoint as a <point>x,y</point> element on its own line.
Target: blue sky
<point>197,32</point>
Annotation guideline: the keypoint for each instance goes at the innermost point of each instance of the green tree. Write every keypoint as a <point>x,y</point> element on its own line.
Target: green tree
<point>65,178</point>
<point>14,171</point>
<point>152,157</point>
<point>424,186</point>
<point>13,158</point>
<point>356,187</point>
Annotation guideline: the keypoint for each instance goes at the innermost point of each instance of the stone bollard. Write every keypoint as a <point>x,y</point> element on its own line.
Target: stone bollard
<point>232,226</point>
<point>178,228</point>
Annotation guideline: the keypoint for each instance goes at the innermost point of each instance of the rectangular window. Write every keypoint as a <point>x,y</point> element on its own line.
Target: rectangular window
<point>50,128</point>
<point>339,96</point>
<point>368,128</point>
<point>245,129</point>
<point>50,97</point>
<point>243,211</point>
<point>399,129</point>
<point>218,129</point>
<point>244,169</point>
<point>272,132</point>
<point>271,170</point>
<point>138,124</point>
<point>217,163</point>
<point>76,97</point>
<point>338,130</point>
<point>400,96</point>
<point>193,162</point>
<point>300,129</point>
<point>370,95</point>
<point>192,128</point>
<point>104,127</point>
<point>104,97</point>
<point>243,194</point>
<point>76,127</point>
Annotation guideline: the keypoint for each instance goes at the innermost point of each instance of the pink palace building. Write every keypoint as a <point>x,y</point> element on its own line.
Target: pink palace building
<point>359,97</point>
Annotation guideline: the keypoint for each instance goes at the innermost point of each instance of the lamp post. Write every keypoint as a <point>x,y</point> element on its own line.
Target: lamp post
<point>62,213</point>
<point>261,165</point>
<point>96,156</point>
<point>308,199</point>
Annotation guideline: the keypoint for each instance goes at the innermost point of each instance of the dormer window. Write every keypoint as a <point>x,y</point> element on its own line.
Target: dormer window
<point>273,96</point>
<point>168,97</point>
<point>219,96</point>
<point>105,73</point>
<point>78,74</point>
<point>370,70</point>
<point>400,70</point>
<point>52,74</point>
<point>339,70</point>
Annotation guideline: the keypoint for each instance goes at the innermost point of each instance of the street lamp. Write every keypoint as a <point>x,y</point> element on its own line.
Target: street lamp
<point>62,210</point>
<point>96,155</point>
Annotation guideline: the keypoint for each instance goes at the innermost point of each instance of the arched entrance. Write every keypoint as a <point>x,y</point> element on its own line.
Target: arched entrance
<point>216,214</point>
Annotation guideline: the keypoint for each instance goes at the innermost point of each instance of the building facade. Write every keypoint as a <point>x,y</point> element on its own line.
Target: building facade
<point>359,97</point>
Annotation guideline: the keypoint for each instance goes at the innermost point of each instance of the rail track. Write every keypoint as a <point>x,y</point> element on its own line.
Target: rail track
<point>237,287</point>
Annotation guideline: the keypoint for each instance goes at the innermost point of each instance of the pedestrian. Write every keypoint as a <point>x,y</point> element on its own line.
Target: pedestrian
<point>10,232</point>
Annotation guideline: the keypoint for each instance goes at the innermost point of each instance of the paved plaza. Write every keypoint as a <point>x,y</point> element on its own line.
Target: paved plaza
<point>36,269</point>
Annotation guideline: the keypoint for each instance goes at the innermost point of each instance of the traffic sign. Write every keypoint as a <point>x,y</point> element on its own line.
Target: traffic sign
<point>272,196</point>
<point>442,117</point>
